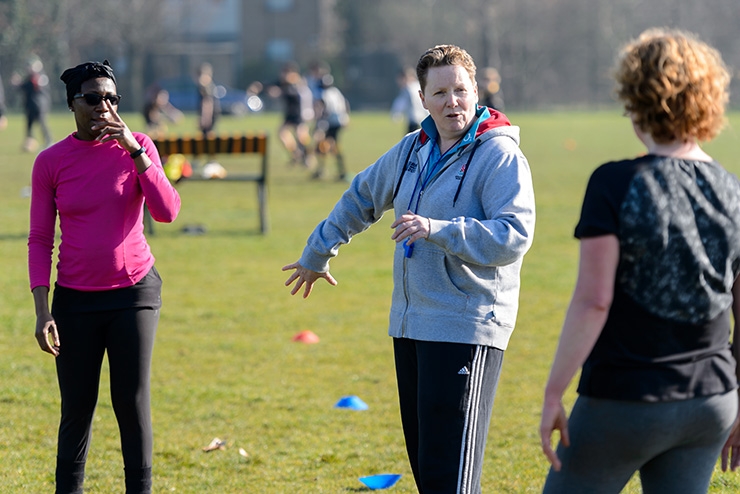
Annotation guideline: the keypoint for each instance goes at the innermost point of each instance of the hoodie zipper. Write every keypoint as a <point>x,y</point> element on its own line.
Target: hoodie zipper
<point>418,203</point>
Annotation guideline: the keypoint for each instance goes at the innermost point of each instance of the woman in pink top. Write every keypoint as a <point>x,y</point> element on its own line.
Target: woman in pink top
<point>107,291</point>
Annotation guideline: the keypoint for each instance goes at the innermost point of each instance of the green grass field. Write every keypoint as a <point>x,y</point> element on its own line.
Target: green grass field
<point>224,363</point>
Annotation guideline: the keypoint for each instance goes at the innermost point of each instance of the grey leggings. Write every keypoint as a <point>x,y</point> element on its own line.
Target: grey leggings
<point>674,445</point>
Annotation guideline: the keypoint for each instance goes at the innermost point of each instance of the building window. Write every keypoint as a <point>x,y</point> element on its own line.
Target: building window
<point>279,50</point>
<point>279,5</point>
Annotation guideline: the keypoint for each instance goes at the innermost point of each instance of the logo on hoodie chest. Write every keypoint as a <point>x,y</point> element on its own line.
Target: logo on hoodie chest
<point>459,174</point>
<point>412,167</point>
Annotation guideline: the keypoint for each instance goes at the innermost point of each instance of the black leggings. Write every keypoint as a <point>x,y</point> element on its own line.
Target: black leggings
<point>127,336</point>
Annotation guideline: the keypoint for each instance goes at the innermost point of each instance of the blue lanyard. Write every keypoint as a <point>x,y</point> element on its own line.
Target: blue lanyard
<point>426,173</point>
<point>424,180</point>
<point>482,113</point>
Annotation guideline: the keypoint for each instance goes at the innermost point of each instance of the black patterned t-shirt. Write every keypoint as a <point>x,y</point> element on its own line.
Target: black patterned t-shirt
<point>667,332</point>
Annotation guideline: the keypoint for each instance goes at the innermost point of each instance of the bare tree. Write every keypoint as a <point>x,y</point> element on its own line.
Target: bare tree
<point>63,33</point>
<point>549,52</point>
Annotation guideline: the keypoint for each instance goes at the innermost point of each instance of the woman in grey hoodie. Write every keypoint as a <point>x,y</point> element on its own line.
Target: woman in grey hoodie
<point>461,192</point>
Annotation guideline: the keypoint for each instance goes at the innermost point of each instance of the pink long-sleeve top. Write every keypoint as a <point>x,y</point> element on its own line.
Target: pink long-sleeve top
<point>98,195</point>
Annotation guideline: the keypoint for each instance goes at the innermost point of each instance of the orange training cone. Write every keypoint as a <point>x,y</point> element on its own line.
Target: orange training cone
<point>306,336</point>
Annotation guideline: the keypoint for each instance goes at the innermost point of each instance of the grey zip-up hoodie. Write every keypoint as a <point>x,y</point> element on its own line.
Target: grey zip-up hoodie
<point>460,285</point>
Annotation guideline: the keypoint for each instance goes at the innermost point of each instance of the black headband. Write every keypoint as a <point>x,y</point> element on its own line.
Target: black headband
<point>74,77</point>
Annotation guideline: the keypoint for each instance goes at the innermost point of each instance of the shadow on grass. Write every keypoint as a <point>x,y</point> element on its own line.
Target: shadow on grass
<point>13,236</point>
<point>199,230</point>
<point>186,231</point>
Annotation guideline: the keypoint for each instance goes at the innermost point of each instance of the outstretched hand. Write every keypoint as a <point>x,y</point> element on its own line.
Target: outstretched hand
<point>302,276</point>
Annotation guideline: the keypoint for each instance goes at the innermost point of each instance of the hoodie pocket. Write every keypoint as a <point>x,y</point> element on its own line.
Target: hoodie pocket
<point>442,285</point>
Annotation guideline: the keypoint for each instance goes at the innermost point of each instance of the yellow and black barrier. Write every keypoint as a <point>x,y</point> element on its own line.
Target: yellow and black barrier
<point>222,144</point>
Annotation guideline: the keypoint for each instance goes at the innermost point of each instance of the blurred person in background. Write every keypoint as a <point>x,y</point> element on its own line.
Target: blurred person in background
<point>491,95</point>
<point>3,108</point>
<point>649,320</point>
<point>107,294</point>
<point>36,102</point>
<point>314,79</point>
<point>298,111</point>
<point>208,103</point>
<point>461,194</point>
<point>407,105</point>
<point>159,109</point>
<point>332,115</point>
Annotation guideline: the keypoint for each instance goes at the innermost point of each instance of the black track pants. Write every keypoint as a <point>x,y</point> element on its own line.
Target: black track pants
<point>446,393</point>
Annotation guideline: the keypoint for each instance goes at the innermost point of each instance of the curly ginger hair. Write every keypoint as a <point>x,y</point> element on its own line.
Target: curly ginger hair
<point>674,86</point>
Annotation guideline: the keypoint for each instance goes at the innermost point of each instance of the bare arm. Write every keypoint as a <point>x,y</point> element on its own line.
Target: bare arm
<point>46,327</point>
<point>731,450</point>
<point>584,321</point>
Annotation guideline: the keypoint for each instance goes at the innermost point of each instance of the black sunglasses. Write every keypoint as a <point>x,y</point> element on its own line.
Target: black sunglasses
<point>94,99</point>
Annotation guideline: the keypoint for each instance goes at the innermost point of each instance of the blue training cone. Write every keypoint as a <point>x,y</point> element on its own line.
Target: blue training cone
<point>382,481</point>
<point>351,402</point>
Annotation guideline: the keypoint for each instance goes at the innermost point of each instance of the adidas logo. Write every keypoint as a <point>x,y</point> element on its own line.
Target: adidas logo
<point>464,371</point>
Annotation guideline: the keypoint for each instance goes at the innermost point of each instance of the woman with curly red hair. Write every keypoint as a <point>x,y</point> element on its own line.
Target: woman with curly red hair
<point>649,321</point>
